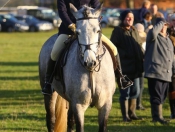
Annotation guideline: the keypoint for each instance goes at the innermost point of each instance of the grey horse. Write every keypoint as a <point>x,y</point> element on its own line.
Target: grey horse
<point>88,75</point>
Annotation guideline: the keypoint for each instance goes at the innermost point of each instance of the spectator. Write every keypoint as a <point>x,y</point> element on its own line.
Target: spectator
<point>171,31</point>
<point>155,13</point>
<point>158,62</point>
<point>145,8</point>
<point>127,40</point>
<point>147,21</point>
<point>142,34</point>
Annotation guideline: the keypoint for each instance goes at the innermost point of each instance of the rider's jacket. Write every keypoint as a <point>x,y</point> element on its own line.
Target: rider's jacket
<point>66,15</point>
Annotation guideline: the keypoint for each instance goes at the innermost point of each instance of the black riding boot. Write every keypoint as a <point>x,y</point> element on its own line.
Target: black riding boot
<point>156,111</point>
<point>49,77</point>
<point>122,80</point>
<point>172,108</point>
<point>124,110</point>
<point>132,109</point>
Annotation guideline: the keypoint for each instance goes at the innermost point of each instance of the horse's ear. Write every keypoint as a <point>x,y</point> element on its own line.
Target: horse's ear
<point>73,9</point>
<point>98,9</point>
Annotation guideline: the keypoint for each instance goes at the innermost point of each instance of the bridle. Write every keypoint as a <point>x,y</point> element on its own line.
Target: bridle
<point>88,46</point>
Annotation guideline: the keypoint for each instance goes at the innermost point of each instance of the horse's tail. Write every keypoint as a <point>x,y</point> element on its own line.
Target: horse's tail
<point>61,115</point>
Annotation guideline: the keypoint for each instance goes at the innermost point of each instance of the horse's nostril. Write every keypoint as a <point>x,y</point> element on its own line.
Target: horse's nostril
<point>94,63</point>
<point>85,63</point>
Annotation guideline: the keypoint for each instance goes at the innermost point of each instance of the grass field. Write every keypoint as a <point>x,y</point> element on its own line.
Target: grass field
<point>21,102</point>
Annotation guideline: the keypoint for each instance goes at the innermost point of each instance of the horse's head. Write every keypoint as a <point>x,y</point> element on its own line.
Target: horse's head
<point>88,32</point>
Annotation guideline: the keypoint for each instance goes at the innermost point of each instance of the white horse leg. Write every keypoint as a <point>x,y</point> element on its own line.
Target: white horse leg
<point>103,114</point>
<point>78,111</point>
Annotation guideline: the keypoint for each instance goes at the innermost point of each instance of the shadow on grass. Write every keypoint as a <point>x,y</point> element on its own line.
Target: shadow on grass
<point>21,129</point>
<point>22,116</point>
<point>19,97</point>
<point>20,78</point>
<point>19,63</point>
<point>19,70</point>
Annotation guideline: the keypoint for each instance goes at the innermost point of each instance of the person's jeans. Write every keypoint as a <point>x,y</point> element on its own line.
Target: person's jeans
<point>130,92</point>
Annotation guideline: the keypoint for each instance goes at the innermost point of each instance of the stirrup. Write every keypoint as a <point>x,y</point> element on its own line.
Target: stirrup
<point>125,82</point>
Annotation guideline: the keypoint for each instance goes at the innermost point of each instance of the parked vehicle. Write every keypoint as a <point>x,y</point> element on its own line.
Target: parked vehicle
<point>42,13</point>
<point>35,24</point>
<point>9,23</point>
<point>110,17</point>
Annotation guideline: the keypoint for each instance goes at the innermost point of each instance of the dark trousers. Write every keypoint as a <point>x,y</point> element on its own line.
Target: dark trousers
<point>158,90</point>
<point>130,92</point>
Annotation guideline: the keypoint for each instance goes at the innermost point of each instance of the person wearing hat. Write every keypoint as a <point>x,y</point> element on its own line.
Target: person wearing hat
<point>158,67</point>
<point>127,40</point>
<point>140,28</point>
<point>171,31</point>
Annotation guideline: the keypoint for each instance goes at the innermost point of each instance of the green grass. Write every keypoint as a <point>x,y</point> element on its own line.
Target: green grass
<point>21,102</point>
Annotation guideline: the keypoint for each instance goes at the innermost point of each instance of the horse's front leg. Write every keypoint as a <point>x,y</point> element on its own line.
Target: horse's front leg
<point>103,114</point>
<point>78,111</point>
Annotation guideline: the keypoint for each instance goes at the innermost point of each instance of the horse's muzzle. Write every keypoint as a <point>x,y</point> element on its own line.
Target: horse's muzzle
<point>90,65</point>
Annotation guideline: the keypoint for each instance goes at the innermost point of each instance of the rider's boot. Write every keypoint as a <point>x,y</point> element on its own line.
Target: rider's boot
<point>122,80</point>
<point>47,90</point>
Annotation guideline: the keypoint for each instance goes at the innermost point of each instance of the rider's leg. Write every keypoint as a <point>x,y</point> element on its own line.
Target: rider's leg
<point>55,53</point>
<point>121,81</point>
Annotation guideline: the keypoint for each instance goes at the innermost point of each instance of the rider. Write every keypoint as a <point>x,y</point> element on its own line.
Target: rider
<point>67,28</point>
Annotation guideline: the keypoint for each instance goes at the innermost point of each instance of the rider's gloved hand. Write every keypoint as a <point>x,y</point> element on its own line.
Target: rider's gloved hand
<point>72,27</point>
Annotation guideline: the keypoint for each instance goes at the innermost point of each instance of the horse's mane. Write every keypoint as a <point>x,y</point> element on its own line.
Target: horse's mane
<point>86,10</point>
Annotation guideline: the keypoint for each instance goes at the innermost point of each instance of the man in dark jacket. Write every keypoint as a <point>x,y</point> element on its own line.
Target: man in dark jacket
<point>127,40</point>
<point>158,66</point>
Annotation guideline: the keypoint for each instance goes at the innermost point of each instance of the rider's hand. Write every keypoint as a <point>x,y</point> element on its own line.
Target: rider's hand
<point>72,27</point>
<point>150,26</point>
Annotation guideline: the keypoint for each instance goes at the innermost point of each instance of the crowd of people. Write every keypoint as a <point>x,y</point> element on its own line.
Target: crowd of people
<point>146,50</point>
<point>142,50</point>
